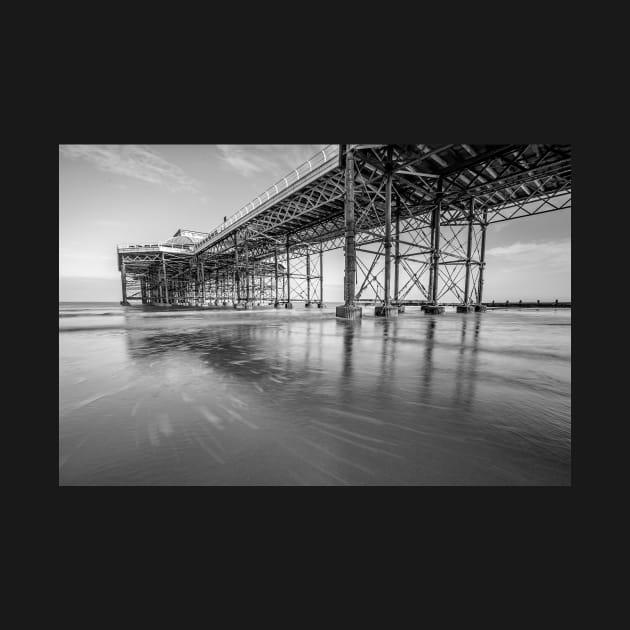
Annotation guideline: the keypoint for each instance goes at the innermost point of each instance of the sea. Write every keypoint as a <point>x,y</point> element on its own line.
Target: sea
<point>151,396</point>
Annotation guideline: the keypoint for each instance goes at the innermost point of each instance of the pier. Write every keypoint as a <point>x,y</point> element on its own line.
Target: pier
<point>411,219</point>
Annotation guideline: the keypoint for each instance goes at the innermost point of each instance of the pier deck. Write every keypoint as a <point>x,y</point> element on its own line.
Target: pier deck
<point>411,219</point>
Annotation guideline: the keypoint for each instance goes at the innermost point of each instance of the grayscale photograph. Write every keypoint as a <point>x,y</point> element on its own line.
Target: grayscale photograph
<point>315,315</point>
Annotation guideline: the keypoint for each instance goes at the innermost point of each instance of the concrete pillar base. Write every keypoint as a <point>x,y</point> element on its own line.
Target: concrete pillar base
<point>465,308</point>
<point>288,305</point>
<point>480,308</point>
<point>349,312</point>
<point>433,309</point>
<point>386,311</point>
<point>321,305</point>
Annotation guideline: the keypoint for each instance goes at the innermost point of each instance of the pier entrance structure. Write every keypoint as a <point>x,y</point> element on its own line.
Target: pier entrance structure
<point>411,220</point>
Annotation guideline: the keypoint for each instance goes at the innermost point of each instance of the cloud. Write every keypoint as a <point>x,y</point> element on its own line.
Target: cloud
<point>131,160</point>
<point>275,159</point>
<point>242,162</point>
<point>551,256</point>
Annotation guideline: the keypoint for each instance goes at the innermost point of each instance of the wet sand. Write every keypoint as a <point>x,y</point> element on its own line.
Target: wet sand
<point>151,396</point>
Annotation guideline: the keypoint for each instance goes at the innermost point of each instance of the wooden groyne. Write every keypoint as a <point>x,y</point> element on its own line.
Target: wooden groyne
<point>521,304</point>
<point>493,304</point>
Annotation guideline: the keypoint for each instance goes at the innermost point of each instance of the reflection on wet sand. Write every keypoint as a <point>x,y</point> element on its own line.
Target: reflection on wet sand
<point>467,364</point>
<point>309,399</point>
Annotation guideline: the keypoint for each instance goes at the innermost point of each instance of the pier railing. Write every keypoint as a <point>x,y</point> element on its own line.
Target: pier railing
<point>306,172</point>
<point>323,160</point>
<point>155,245</point>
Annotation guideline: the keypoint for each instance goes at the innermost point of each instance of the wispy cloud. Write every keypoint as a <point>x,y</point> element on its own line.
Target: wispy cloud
<point>244,162</point>
<point>131,160</point>
<point>275,159</point>
<point>552,256</point>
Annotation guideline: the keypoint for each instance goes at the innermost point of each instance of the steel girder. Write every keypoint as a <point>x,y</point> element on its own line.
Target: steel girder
<point>468,187</point>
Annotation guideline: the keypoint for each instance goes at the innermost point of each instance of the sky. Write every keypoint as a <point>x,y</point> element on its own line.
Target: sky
<point>124,194</point>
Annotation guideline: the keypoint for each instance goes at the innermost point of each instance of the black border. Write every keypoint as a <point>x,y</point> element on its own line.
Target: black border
<point>520,96</point>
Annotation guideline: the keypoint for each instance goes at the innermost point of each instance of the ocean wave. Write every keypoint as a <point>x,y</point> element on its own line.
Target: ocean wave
<point>88,314</point>
<point>67,329</point>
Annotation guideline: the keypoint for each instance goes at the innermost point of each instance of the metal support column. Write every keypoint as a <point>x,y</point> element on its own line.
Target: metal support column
<point>288,304</point>
<point>471,215</point>
<point>434,273</point>
<point>388,227</point>
<point>197,283</point>
<point>308,279</point>
<point>437,218</point>
<point>466,307</point>
<point>143,290</point>
<point>237,275</point>
<point>123,281</point>
<point>321,304</point>
<point>387,310</point>
<point>165,279</point>
<point>246,253</point>
<point>482,261</point>
<point>275,266</point>
<point>397,253</point>
<point>349,310</point>
<point>430,283</point>
<point>203,284</point>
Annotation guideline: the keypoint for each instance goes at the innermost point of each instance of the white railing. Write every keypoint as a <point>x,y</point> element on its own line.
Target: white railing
<point>292,180</point>
<point>188,246</point>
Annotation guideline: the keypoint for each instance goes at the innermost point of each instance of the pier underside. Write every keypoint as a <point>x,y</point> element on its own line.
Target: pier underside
<point>411,220</point>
